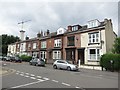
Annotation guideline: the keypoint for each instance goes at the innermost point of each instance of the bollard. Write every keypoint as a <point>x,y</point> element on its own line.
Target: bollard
<point>79,63</point>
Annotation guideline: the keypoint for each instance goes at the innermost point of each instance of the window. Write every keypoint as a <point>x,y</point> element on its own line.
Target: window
<point>60,62</point>
<point>43,54</point>
<point>94,37</point>
<point>57,43</point>
<point>71,41</point>
<point>18,45</point>
<point>43,44</point>
<point>74,28</point>
<point>94,54</point>
<point>93,23</point>
<point>34,45</point>
<point>56,54</point>
<point>29,45</point>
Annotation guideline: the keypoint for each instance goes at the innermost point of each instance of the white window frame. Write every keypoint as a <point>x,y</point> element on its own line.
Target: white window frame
<point>34,45</point>
<point>57,42</point>
<point>18,46</point>
<point>96,39</point>
<point>96,55</point>
<point>29,45</point>
<point>43,44</point>
<point>74,28</point>
<point>43,54</point>
<point>56,54</point>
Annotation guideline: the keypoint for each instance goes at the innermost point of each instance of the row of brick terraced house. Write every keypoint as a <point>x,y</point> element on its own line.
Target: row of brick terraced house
<point>86,43</point>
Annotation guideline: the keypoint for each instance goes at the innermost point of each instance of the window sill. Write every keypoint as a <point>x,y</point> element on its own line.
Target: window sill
<point>70,45</point>
<point>58,47</point>
<point>93,43</point>
<point>93,60</point>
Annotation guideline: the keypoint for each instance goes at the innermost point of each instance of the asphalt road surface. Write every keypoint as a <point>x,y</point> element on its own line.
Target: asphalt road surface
<point>27,76</point>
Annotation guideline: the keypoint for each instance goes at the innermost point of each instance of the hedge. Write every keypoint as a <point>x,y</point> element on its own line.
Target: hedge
<point>105,61</point>
<point>25,58</point>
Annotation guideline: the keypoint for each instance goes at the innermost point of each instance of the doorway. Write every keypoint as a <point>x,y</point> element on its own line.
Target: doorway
<point>81,55</point>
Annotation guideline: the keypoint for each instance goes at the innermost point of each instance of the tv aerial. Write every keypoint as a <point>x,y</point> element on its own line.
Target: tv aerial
<point>22,23</point>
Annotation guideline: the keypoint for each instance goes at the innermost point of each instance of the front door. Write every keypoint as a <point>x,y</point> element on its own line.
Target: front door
<point>81,56</point>
<point>70,55</point>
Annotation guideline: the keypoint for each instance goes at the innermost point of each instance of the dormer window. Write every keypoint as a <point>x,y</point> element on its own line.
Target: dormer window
<point>60,31</point>
<point>74,28</point>
<point>93,23</point>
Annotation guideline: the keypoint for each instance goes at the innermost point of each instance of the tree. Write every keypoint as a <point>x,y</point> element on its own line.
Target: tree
<point>116,46</point>
<point>6,40</point>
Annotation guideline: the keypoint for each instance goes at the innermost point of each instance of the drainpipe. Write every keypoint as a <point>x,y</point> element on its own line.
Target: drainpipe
<point>100,40</point>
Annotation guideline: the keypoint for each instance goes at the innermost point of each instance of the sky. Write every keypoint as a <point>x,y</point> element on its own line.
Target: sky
<point>53,15</point>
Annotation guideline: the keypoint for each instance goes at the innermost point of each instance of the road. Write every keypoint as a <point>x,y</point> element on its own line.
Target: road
<point>27,76</point>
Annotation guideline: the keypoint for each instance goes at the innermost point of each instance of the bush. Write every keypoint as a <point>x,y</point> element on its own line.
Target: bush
<point>105,61</point>
<point>25,58</point>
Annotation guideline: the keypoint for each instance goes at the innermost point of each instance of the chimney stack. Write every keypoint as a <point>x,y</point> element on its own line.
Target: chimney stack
<point>22,35</point>
<point>39,35</point>
<point>26,37</point>
<point>69,28</point>
<point>48,32</point>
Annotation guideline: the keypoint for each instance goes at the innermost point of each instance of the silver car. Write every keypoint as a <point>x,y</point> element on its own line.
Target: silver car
<point>64,64</point>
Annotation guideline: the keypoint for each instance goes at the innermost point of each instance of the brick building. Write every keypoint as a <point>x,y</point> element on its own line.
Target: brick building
<point>87,43</point>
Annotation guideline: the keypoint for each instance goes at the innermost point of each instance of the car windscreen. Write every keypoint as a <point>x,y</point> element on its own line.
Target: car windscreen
<point>68,61</point>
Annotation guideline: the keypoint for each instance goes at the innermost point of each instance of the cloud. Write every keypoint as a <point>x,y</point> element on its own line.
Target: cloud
<point>52,15</point>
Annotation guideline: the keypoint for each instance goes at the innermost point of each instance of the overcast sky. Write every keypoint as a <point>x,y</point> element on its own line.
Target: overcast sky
<point>52,15</point>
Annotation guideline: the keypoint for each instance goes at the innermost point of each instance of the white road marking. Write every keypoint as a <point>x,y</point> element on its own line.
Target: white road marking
<point>26,76</point>
<point>32,77</point>
<point>26,84</point>
<point>27,73</point>
<point>77,87</point>
<point>55,81</point>
<point>18,71</point>
<point>46,78</point>
<point>22,74</point>
<point>32,74</point>
<point>66,84</point>
<point>40,80</point>
<point>39,77</point>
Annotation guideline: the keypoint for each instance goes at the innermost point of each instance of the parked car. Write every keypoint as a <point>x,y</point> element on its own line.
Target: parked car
<point>64,64</point>
<point>35,62</point>
<point>4,58</point>
<point>8,58</point>
<point>17,59</point>
<point>1,57</point>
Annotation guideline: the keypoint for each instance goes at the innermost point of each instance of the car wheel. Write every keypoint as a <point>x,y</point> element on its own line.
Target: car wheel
<point>68,68</point>
<point>55,67</point>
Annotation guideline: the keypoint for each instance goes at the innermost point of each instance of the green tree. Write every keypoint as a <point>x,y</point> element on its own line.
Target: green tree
<point>5,41</point>
<point>116,46</point>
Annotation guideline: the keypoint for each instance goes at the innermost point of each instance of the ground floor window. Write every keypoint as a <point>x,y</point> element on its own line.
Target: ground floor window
<point>35,54</point>
<point>56,54</point>
<point>43,54</point>
<point>94,54</point>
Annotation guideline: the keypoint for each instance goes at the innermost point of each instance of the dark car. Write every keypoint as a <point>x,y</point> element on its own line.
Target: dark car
<point>8,58</point>
<point>35,62</point>
<point>4,58</point>
<point>16,59</point>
